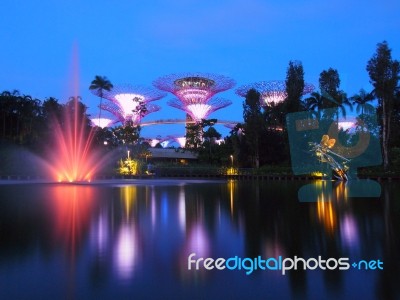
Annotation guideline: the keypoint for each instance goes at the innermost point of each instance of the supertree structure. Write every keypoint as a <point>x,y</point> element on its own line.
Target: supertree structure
<point>154,141</point>
<point>181,140</point>
<point>102,122</point>
<point>199,111</point>
<point>131,103</point>
<point>231,125</point>
<point>123,117</point>
<point>194,88</point>
<point>271,92</point>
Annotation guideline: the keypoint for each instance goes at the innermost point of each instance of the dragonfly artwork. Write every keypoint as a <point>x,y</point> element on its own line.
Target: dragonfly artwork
<point>337,163</point>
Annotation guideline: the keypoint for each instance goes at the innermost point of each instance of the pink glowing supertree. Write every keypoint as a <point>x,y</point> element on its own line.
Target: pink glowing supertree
<point>194,92</point>
<point>102,122</point>
<point>271,92</point>
<point>123,116</point>
<point>131,103</point>
<point>199,111</point>
<point>154,141</point>
<point>231,125</point>
<point>194,88</point>
<point>181,140</point>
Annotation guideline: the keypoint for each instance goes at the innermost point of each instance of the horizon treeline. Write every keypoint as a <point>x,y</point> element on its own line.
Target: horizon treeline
<point>260,140</point>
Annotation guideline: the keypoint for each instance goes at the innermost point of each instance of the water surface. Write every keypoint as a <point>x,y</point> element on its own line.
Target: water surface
<point>133,239</point>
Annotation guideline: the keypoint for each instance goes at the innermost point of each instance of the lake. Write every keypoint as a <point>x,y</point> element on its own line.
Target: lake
<point>137,239</point>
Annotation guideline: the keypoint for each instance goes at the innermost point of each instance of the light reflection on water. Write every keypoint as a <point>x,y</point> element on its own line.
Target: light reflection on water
<point>118,241</point>
<point>126,250</point>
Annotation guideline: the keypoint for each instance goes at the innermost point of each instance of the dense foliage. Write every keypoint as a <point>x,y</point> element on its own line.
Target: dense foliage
<point>260,141</point>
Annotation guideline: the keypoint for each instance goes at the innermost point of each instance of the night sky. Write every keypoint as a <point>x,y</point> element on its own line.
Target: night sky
<point>135,42</point>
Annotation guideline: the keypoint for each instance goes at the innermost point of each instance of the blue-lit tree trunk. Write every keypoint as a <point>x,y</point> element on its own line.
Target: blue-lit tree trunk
<point>384,74</point>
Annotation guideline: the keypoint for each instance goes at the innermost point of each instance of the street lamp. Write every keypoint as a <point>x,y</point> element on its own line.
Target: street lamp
<point>232,160</point>
<point>128,154</point>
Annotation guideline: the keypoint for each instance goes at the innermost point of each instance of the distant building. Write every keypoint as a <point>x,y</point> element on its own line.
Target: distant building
<point>172,155</point>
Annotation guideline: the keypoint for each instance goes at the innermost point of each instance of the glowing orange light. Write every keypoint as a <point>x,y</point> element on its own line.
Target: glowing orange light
<point>71,208</point>
<point>326,214</point>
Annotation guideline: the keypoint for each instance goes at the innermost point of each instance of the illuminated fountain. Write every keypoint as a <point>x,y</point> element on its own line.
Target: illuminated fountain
<point>72,157</point>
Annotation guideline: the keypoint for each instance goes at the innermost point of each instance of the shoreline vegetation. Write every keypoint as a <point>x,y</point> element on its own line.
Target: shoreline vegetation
<point>204,171</point>
<point>35,133</point>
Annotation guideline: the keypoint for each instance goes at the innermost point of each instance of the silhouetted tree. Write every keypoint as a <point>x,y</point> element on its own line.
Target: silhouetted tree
<point>384,76</point>
<point>193,135</point>
<point>128,134</point>
<point>332,97</point>
<point>343,103</point>
<point>315,103</point>
<point>329,83</point>
<point>209,137</point>
<point>140,110</point>
<point>294,87</point>
<point>9,111</point>
<point>99,85</point>
<point>362,100</point>
<point>254,125</point>
<point>363,107</point>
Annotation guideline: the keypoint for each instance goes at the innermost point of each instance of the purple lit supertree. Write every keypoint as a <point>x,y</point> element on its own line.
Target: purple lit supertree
<point>154,141</point>
<point>181,140</point>
<point>231,125</point>
<point>135,116</point>
<point>131,103</point>
<point>199,111</point>
<point>271,92</point>
<point>102,122</point>
<point>194,88</point>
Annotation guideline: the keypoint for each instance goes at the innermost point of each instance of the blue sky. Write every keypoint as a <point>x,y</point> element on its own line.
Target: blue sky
<point>136,42</point>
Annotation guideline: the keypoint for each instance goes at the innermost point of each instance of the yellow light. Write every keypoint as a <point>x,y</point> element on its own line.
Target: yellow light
<point>317,174</point>
<point>326,214</point>
<point>231,171</point>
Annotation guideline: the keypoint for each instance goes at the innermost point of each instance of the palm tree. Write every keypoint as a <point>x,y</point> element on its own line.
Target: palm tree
<point>10,108</point>
<point>342,102</point>
<point>99,85</point>
<point>315,102</point>
<point>362,99</point>
<point>5,107</point>
<point>29,113</point>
